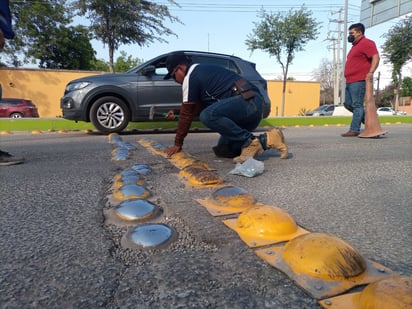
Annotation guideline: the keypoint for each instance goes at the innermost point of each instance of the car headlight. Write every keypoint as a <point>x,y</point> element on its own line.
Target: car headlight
<point>76,86</point>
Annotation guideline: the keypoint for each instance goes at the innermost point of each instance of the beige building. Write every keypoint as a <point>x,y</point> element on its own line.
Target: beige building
<point>46,87</point>
<point>299,96</point>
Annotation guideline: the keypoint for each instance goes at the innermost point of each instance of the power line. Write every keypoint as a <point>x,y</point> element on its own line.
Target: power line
<point>231,7</point>
<point>228,7</point>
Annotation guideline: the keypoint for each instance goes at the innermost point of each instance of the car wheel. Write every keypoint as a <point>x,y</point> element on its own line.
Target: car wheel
<point>16,115</point>
<point>109,115</point>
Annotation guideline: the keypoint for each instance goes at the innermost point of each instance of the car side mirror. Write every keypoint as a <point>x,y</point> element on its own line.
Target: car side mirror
<point>149,70</point>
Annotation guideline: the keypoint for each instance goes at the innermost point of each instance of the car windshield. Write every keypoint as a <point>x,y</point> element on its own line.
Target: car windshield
<point>158,62</point>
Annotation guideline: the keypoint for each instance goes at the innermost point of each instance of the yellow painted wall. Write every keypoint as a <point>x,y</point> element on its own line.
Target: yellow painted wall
<point>43,87</point>
<point>298,95</point>
<point>46,87</point>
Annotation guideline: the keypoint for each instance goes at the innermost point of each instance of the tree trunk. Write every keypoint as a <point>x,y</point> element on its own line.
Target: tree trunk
<point>111,52</point>
<point>285,77</point>
<point>398,91</point>
<point>282,113</point>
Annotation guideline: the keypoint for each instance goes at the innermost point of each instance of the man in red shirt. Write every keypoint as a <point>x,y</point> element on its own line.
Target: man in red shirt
<point>361,63</point>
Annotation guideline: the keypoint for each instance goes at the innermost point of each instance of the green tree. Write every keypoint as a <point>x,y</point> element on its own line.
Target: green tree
<point>386,96</point>
<point>397,49</point>
<point>324,75</point>
<point>125,62</point>
<point>126,22</point>
<point>35,23</point>
<point>406,87</point>
<point>44,36</point>
<point>100,65</point>
<point>68,48</point>
<point>282,35</point>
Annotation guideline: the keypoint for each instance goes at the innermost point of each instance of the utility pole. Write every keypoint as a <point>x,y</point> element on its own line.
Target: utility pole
<point>345,27</point>
<point>338,63</point>
<point>337,60</point>
<point>335,71</point>
<point>377,90</point>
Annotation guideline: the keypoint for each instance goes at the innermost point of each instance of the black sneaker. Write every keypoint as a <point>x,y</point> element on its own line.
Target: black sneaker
<point>8,159</point>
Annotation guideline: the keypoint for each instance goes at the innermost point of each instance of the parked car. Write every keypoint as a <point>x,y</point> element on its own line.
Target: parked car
<point>323,110</point>
<point>385,111</point>
<point>111,101</point>
<point>17,108</point>
<point>388,111</point>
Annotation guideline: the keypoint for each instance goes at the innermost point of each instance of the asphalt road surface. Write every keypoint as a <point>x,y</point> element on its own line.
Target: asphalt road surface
<point>59,251</point>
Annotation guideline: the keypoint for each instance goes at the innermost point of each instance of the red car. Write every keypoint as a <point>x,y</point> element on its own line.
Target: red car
<point>17,108</point>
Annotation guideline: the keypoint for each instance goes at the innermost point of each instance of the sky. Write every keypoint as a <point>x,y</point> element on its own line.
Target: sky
<point>223,26</point>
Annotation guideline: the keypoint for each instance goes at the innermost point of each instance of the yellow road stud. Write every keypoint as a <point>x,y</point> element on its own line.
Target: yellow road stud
<point>323,265</point>
<point>389,293</point>
<point>191,170</point>
<point>228,200</point>
<point>233,196</point>
<point>145,142</point>
<point>205,178</point>
<point>262,225</point>
<point>112,136</point>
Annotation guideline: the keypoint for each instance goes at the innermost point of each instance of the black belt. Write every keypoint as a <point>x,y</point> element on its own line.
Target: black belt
<point>243,88</point>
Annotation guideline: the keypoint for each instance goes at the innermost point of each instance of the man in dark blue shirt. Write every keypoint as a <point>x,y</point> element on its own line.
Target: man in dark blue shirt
<point>6,32</point>
<point>225,103</point>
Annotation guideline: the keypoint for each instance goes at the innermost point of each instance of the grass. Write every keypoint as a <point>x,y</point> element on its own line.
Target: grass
<point>57,124</point>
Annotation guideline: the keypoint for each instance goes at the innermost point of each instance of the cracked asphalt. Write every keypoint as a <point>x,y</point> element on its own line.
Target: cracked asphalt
<point>58,250</point>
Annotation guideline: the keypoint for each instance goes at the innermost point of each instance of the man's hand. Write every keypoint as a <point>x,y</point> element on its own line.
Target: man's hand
<point>172,150</point>
<point>170,115</point>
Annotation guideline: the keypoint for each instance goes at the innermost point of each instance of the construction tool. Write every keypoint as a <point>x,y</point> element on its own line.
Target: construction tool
<point>153,113</point>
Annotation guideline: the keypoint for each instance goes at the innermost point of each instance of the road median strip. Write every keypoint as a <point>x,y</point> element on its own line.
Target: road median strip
<point>55,124</point>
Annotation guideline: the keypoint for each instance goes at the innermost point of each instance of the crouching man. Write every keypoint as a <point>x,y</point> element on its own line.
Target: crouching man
<point>225,103</point>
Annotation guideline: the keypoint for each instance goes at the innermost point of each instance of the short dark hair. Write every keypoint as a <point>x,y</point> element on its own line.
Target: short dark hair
<point>358,27</point>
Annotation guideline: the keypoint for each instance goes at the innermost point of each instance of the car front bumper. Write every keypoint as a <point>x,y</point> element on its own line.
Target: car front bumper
<point>70,109</point>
